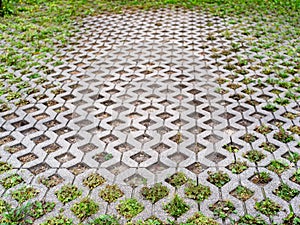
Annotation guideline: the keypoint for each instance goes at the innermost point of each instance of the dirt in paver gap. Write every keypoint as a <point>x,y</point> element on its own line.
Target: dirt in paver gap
<point>143,96</point>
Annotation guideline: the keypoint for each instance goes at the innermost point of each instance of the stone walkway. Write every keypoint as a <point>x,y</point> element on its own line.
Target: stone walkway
<point>144,95</point>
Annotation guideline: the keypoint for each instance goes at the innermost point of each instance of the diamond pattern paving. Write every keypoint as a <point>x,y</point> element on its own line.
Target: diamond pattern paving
<point>144,95</point>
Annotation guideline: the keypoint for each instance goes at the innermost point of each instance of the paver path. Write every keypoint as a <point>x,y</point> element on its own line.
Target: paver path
<point>141,97</point>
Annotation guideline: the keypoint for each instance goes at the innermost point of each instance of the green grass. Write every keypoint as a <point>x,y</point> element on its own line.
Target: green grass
<point>30,29</point>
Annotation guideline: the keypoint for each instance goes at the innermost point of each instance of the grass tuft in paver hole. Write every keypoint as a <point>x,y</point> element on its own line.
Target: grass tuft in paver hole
<point>278,166</point>
<point>4,167</point>
<point>199,219</point>
<point>111,193</point>
<point>155,193</point>
<point>222,209</point>
<point>249,219</point>
<point>267,207</point>
<point>11,181</point>
<point>177,179</point>
<point>219,178</point>
<point>238,167</point>
<point>254,156</point>
<point>150,221</point>
<point>40,208</point>
<point>197,192</point>
<point>105,220</point>
<point>85,208</point>
<point>93,180</point>
<point>68,193</point>
<point>24,193</point>
<point>261,178</point>
<point>58,220</point>
<point>4,206</point>
<point>296,177</point>
<point>285,192</point>
<point>129,208</point>
<point>176,207</point>
<point>242,193</point>
<point>283,136</point>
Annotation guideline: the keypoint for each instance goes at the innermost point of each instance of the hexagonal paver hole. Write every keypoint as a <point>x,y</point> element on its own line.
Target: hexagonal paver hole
<point>102,116</point>
<point>195,102</point>
<point>87,147</point>
<point>157,167</point>
<point>74,139</point>
<point>196,147</point>
<point>210,109</point>
<point>64,157</point>
<point>244,122</point>
<point>40,139</point>
<point>213,138</point>
<point>109,138</point>
<point>178,157</point>
<point>62,131</point>
<point>163,130</point>
<point>150,109</point>
<point>83,123</point>
<point>144,138</point>
<point>51,181</point>
<point>161,147</point>
<point>118,168</point>
<point>15,148</point>
<point>195,115</point>
<point>240,109</point>
<point>248,138</point>
<point>40,168</point>
<point>215,157</point>
<point>135,180</point>
<point>227,115</point>
<point>140,157</point>
<point>129,130</point>
<point>212,123</point>
<point>29,131</point>
<point>20,123</point>
<point>197,167</point>
<point>230,130</point>
<point>124,147</point>
<point>195,130</point>
<point>51,123</point>
<point>27,158</point>
<point>147,123</point>
<point>134,115</point>
<point>164,115</point>
<point>242,193</point>
<point>51,148</point>
<point>41,116</point>
<point>78,168</point>
<point>102,157</point>
<point>115,123</point>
